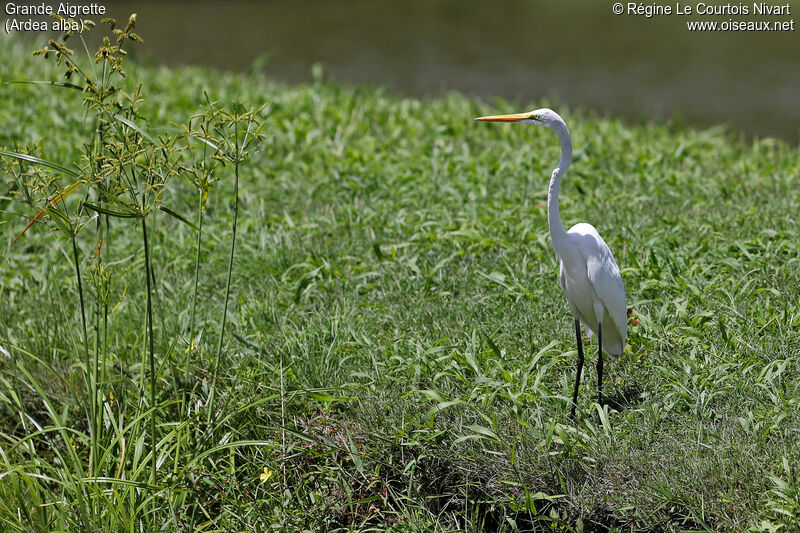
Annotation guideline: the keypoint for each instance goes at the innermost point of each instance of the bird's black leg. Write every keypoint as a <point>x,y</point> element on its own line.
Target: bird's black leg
<point>600,364</point>
<point>580,367</point>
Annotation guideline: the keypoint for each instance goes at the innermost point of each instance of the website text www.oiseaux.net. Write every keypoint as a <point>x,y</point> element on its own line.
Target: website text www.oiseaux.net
<point>696,12</point>
<point>739,25</point>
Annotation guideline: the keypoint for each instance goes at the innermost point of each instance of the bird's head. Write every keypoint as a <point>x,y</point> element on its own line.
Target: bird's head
<point>541,117</point>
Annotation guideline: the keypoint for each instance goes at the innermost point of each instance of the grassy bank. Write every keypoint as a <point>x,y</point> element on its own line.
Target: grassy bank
<point>398,353</point>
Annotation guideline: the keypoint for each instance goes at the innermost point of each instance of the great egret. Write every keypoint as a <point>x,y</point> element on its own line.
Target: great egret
<point>589,275</point>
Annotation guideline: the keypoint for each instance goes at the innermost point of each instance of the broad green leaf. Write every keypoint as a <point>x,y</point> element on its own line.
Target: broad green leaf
<point>441,406</point>
<point>321,396</point>
<point>431,395</point>
<point>484,431</point>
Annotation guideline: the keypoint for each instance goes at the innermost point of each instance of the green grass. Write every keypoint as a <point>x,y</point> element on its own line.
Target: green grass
<point>398,353</point>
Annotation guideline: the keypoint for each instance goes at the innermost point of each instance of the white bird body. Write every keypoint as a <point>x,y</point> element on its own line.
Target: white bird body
<point>592,283</point>
<point>589,275</point>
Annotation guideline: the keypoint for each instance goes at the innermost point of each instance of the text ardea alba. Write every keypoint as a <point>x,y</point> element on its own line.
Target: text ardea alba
<point>589,275</point>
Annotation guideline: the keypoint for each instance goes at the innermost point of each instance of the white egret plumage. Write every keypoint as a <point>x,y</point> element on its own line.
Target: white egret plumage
<point>588,273</point>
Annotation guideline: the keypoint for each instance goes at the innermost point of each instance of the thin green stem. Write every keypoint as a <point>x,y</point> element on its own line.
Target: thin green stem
<point>87,359</point>
<point>156,290</point>
<point>93,391</point>
<point>105,360</point>
<point>187,363</point>
<point>210,405</point>
<point>196,282</point>
<point>152,363</point>
<point>283,446</point>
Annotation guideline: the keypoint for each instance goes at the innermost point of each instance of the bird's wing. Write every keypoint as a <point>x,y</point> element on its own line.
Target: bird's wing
<point>603,274</point>
<point>606,280</point>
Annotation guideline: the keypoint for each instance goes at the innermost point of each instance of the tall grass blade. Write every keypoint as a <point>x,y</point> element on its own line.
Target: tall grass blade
<point>39,161</point>
<point>64,84</point>
<point>181,218</point>
<point>110,212</point>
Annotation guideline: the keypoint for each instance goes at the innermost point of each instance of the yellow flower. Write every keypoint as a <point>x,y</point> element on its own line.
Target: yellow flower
<point>266,474</point>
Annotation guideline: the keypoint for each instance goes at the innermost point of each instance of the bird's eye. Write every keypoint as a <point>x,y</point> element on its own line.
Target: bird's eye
<point>534,117</point>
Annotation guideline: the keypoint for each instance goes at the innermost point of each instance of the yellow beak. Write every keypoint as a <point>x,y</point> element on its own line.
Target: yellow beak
<point>516,117</point>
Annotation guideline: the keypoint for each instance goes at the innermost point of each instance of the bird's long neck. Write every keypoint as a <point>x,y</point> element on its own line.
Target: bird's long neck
<point>557,233</point>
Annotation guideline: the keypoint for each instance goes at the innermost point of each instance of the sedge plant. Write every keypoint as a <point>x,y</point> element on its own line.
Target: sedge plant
<point>230,134</point>
<point>123,173</point>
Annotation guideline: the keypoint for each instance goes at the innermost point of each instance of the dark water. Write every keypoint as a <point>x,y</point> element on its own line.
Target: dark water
<point>577,52</point>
